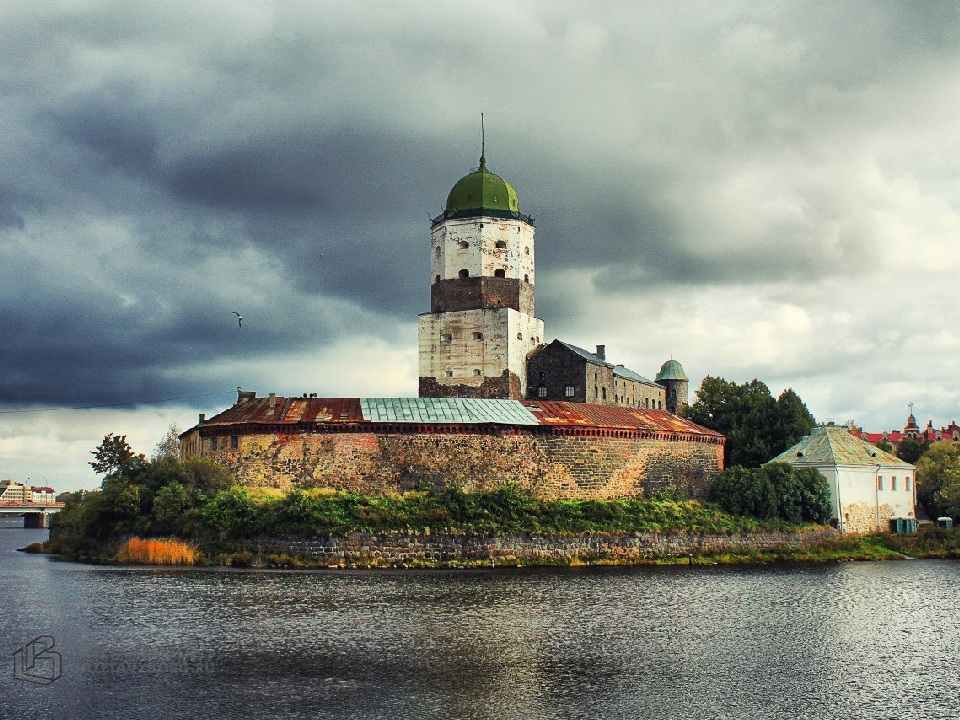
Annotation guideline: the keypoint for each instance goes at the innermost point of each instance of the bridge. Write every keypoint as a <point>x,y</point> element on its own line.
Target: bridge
<point>35,514</point>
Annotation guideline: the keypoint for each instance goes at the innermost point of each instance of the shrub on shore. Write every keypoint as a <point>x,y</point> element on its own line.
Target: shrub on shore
<point>157,551</point>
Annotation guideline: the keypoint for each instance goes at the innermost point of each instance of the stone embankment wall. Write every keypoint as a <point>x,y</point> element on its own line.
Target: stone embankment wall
<point>390,549</point>
<point>553,465</point>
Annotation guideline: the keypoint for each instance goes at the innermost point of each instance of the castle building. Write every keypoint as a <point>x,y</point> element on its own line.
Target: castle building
<point>565,372</point>
<point>496,404</point>
<point>481,327</point>
<point>481,338</point>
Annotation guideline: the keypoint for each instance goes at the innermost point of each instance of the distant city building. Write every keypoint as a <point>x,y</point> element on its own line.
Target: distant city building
<point>43,495</point>
<point>12,491</point>
<point>910,430</point>
<point>868,486</point>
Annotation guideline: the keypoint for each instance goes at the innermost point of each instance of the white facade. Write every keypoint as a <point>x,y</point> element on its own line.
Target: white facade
<point>470,338</point>
<point>868,487</point>
<point>481,246</point>
<point>865,499</point>
<point>463,348</point>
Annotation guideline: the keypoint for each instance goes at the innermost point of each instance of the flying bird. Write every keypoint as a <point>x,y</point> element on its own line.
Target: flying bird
<point>239,318</point>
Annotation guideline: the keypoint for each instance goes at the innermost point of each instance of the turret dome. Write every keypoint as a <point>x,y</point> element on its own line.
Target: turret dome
<point>671,370</point>
<point>482,193</point>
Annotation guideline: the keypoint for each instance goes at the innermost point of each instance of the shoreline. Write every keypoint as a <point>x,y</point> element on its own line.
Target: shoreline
<point>374,551</point>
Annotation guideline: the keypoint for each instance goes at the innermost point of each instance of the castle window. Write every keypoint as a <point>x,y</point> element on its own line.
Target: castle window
<point>542,391</point>
<point>526,250</point>
<point>476,373</point>
<point>437,279</point>
<point>464,244</point>
<point>526,278</point>
<point>569,391</point>
<point>234,442</point>
<point>437,251</point>
<point>519,336</point>
<point>500,273</point>
<point>500,244</point>
<point>481,224</point>
<point>603,392</point>
<point>446,338</point>
<point>464,274</point>
<point>659,404</point>
<point>448,373</point>
<point>478,336</point>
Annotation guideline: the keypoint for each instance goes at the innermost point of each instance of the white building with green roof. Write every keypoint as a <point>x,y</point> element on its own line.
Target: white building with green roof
<point>868,487</point>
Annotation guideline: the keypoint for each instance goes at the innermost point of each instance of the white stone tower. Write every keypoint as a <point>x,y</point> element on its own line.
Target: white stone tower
<point>475,340</point>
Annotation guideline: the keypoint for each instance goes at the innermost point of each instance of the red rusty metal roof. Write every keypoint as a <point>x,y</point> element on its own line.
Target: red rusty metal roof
<point>570,414</point>
<point>292,411</point>
<point>289,411</point>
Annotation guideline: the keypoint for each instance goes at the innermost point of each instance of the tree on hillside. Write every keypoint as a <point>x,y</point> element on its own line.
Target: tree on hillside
<point>169,445</point>
<point>938,480</point>
<point>756,426</point>
<point>114,457</point>
<point>910,450</point>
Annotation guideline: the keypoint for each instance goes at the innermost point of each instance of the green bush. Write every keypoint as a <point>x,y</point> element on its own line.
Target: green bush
<point>776,491</point>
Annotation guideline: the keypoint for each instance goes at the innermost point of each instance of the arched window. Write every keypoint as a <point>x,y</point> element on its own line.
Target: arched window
<point>464,244</point>
<point>526,278</point>
<point>464,274</point>
<point>526,251</point>
<point>500,244</point>
<point>437,251</point>
<point>500,273</point>
<point>436,278</point>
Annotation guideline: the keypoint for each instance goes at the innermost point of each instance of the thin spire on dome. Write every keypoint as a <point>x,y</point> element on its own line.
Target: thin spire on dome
<point>483,146</point>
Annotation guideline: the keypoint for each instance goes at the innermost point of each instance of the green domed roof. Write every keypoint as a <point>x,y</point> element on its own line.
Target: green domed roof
<point>482,193</point>
<point>671,370</point>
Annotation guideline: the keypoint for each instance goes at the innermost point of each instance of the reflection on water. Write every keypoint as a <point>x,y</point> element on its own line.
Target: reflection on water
<point>857,640</point>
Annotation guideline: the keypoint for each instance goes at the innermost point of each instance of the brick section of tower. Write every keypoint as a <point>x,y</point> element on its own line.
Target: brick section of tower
<point>480,292</point>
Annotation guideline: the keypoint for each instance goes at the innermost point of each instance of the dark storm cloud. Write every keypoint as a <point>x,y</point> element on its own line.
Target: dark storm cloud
<point>163,166</point>
<point>112,124</point>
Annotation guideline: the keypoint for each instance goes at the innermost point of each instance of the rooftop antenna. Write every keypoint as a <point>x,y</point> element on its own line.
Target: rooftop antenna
<point>910,405</point>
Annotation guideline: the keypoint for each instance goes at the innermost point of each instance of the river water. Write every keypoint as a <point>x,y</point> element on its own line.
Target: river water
<point>854,640</point>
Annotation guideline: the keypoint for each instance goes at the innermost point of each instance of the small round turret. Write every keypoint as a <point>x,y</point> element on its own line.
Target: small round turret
<point>675,380</point>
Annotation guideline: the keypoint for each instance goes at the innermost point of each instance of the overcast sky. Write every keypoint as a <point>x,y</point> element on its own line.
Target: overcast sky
<point>758,189</point>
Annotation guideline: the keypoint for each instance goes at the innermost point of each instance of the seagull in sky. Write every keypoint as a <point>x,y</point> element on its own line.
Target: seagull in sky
<point>239,318</point>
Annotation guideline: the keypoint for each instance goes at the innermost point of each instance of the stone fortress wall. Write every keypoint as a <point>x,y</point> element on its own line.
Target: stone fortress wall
<point>390,460</point>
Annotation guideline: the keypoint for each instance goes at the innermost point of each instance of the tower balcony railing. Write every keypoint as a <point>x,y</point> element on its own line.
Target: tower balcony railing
<point>459,214</point>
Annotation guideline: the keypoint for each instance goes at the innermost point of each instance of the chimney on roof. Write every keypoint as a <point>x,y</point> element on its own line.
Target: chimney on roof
<point>273,403</point>
<point>602,352</point>
<point>203,419</point>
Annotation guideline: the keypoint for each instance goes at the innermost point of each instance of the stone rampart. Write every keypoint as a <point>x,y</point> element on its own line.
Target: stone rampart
<point>389,549</point>
<point>559,465</point>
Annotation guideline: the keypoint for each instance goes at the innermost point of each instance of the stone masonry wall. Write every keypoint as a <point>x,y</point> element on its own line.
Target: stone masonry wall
<point>389,549</point>
<point>553,465</point>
